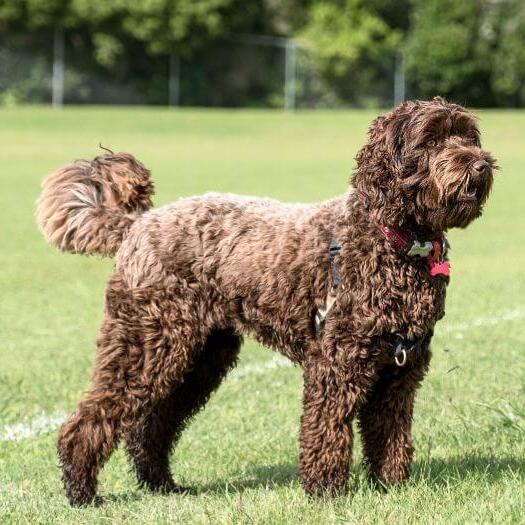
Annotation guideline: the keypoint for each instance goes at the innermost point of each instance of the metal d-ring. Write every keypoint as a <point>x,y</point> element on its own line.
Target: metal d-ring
<point>403,353</point>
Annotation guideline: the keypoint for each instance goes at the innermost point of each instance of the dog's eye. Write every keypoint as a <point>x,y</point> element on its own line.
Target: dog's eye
<point>431,143</point>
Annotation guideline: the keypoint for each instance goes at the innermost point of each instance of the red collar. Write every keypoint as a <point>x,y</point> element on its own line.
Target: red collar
<point>434,251</point>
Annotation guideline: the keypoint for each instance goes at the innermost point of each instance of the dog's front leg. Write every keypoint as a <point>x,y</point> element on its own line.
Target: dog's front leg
<point>331,395</point>
<point>385,420</point>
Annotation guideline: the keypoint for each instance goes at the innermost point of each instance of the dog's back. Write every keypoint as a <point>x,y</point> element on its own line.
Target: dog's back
<point>236,246</point>
<point>233,243</point>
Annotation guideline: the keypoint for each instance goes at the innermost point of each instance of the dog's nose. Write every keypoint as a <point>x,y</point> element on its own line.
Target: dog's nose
<point>481,166</point>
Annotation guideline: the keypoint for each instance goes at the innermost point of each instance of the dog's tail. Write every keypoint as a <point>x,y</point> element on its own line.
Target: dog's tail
<point>87,207</point>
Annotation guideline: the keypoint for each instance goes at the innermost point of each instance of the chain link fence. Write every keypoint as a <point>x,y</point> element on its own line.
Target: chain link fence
<point>242,71</point>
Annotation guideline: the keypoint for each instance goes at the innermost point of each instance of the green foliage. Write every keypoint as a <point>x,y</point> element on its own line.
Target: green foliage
<point>471,51</point>
<point>163,25</point>
<point>25,71</point>
<point>344,34</point>
<point>107,49</point>
<point>349,41</point>
<point>448,49</point>
<point>509,58</point>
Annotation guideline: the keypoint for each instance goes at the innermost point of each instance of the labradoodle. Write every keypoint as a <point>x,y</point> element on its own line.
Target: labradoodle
<point>349,289</point>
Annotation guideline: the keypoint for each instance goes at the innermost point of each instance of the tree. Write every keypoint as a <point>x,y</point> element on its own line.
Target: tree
<point>163,26</point>
<point>508,71</point>
<point>448,50</point>
<point>352,44</point>
<point>471,52</point>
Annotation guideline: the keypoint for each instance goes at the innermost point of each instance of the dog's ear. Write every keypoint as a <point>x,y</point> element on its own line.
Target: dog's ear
<point>381,163</point>
<point>395,131</point>
<point>386,142</point>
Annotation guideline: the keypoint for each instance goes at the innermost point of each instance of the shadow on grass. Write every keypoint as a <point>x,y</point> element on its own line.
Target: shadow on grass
<point>443,471</point>
<point>259,477</point>
<point>433,472</point>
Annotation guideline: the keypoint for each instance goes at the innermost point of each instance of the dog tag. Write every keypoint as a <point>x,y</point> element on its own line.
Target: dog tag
<point>439,268</point>
<point>420,249</point>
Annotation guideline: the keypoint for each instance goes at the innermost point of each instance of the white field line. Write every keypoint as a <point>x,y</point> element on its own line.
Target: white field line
<point>276,361</point>
<point>45,423</point>
<point>40,425</point>
<point>509,315</point>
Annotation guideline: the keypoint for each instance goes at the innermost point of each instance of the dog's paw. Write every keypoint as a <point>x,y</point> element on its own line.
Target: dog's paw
<point>166,486</point>
<point>84,500</point>
<point>326,486</point>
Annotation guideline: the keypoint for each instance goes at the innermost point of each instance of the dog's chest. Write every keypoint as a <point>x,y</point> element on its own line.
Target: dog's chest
<point>394,297</point>
<point>420,304</point>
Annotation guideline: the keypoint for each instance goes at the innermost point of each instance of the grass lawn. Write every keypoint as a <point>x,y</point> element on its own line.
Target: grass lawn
<point>240,454</point>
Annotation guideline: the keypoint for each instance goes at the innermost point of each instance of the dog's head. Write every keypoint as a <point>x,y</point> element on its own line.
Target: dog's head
<point>424,164</point>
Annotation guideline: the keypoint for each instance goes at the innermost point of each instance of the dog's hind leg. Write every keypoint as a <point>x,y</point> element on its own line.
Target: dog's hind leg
<point>147,344</point>
<point>150,442</point>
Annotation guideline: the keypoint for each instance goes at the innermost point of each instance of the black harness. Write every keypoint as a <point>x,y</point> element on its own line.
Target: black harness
<point>402,347</point>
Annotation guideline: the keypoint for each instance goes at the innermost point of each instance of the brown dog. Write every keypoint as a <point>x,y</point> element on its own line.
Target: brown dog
<point>350,289</point>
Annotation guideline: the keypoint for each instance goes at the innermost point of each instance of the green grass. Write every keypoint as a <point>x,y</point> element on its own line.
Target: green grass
<point>240,454</point>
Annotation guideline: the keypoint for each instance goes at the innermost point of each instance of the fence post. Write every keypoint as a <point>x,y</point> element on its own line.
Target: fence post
<point>289,75</point>
<point>399,80</point>
<point>58,68</point>
<point>174,80</point>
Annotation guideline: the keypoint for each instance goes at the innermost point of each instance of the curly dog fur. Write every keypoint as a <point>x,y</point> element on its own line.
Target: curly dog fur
<point>194,276</point>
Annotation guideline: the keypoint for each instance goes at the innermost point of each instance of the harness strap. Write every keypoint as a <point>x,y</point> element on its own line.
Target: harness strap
<point>335,276</point>
<point>333,251</point>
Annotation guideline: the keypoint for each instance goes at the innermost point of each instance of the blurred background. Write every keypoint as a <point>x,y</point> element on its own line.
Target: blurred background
<point>262,53</point>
